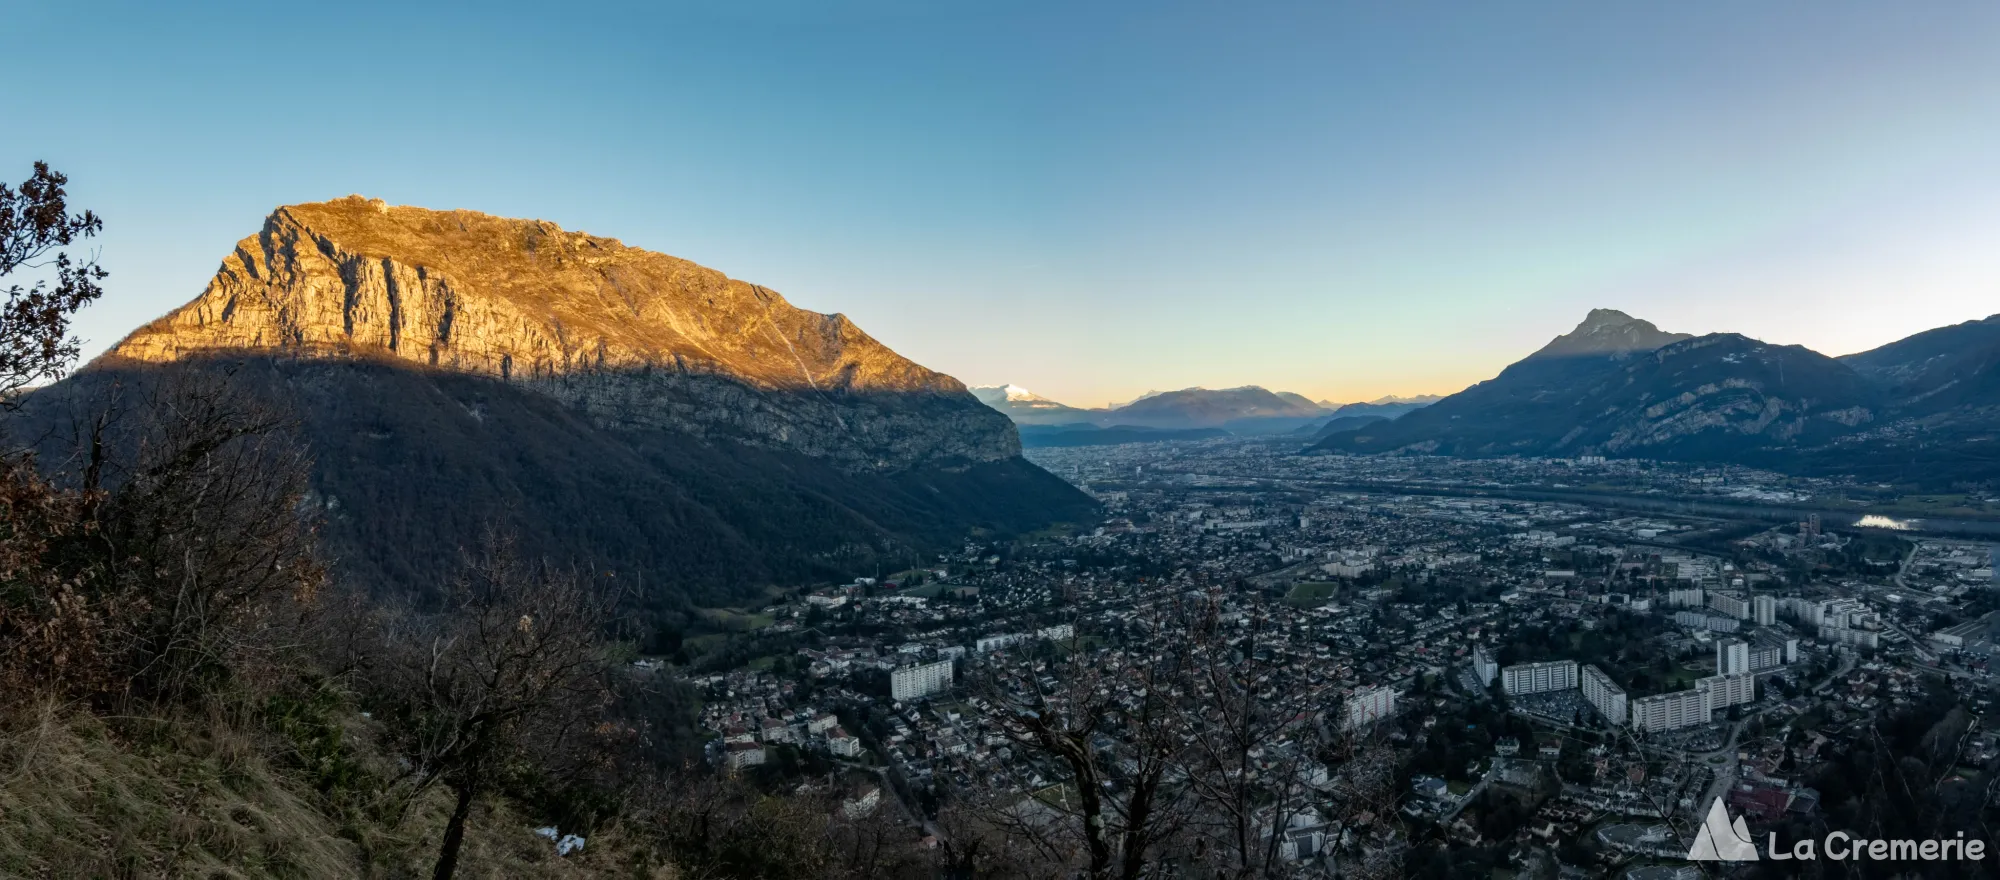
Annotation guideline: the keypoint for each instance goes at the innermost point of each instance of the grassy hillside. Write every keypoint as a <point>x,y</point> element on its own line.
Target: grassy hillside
<point>84,796</point>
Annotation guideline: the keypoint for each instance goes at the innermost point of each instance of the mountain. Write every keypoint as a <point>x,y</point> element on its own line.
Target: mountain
<point>1298,400</point>
<point>1607,333</point>
<point>1388,400</point>
<point>1135,400</point>
<point>654,418</point>
<point>1246,410</point>
<point>1385,407</point>
<point>1605,388</point>
<point>1937,370</point>
<point>1025,407</point>
<point>1341,424</point>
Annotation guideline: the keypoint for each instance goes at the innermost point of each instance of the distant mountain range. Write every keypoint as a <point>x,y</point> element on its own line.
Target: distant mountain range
<point>1925,409</point>
<point>1248,411</point>
<point>1028,408</point>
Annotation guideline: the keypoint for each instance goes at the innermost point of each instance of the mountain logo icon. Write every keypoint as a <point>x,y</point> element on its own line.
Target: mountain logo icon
<point>1721,840</point>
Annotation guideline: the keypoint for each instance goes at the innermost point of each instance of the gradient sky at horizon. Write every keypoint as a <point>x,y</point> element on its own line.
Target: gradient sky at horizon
<point>1092,200</point>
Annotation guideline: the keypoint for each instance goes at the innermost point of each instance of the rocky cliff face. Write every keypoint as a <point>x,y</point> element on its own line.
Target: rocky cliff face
<point>633,338</point>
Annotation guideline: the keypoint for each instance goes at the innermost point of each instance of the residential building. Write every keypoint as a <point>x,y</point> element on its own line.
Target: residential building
<point>1732,657</point>
<point>1704,620</point>
<point>998,641</point>
<point>1605,695</point>
<point>843,744</point>
<point>1723,691</point>
<point>920,680</point>
<point>1483,665</point>
<point>1370,704</point>
<point>1730,604</point>
<point>1535,678</point>
<point>1769,652</point>
<point>1670,711</point>
<point>1853,638</point>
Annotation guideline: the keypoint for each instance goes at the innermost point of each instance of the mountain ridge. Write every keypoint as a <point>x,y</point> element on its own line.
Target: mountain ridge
<point>614,407</point>
<point>1918,409</point>
<point>632,336</point>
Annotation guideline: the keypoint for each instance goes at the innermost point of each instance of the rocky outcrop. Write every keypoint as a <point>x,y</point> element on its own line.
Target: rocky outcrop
<point>1608,333</point>
<point>631,337</point>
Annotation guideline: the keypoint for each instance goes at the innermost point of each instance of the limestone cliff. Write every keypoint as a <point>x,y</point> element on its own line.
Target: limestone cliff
<point>632,337</point>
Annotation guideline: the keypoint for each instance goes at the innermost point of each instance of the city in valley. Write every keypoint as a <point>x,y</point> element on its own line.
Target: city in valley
<point>1513,663</point>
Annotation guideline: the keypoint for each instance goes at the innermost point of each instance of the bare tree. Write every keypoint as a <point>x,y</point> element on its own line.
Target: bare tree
<point>509,669</point>
<point>1250,748</point>
<point>1118,727</point>
<point>159,557</point>
<point>204,522</point>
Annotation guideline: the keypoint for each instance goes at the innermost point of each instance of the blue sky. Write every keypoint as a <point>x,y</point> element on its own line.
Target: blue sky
<point>1092,199</point>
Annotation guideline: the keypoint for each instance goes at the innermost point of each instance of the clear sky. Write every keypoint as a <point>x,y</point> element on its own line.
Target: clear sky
<point>1091,199</point>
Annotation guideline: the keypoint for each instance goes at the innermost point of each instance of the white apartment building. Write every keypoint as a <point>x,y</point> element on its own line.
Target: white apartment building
<point>1670,711</point>
<point>1707,621</point>
<point>1730,604</point>
<point>1723,691</point>
<point>1605,695</point>
<point>1824,612</point>
<point>1856,638</point>
<point>1770,652</point>
<point>1484,666</point>
<point>920,680</point>
<point>1732,657</point>
<point>841,743</point>
<point>1370,704</point>
<point>1535,678</point>
<point>997,641</point>
<point>1764,609</point>
<point>1689,598</point>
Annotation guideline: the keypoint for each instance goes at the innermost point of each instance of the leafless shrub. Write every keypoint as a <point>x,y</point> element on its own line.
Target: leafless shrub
<point>508,672</point>
<point>157,571</point>
<point>715,827</point>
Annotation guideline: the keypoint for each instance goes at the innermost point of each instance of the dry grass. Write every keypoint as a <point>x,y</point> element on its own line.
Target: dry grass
<point>80,798</point>
<point>76,801</point>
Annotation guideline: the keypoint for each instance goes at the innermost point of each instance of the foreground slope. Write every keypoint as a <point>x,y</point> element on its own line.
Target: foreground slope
<point>640,413</point>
